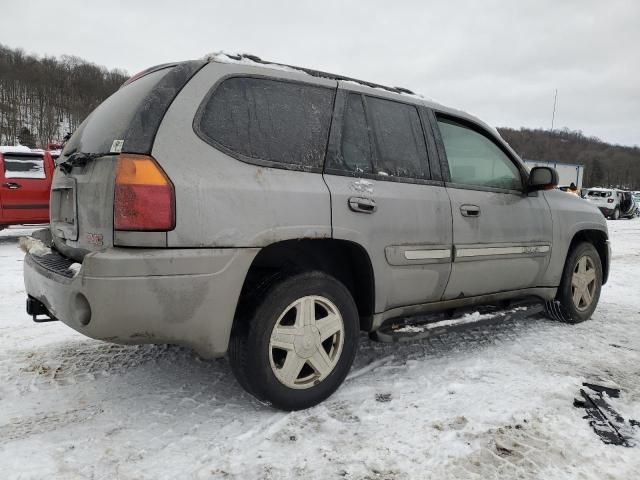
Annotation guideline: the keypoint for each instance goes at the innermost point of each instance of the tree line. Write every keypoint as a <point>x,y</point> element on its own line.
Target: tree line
<point>43,99</point>
<point>605,165</point>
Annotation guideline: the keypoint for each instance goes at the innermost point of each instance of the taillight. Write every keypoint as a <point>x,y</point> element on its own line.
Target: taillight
<point>610,200</point>
<point>144,196</point>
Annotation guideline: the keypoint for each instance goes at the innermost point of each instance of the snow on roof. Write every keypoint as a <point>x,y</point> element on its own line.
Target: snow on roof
<point>14,149</point>
<point>255,61</point>
<point>247,59</point>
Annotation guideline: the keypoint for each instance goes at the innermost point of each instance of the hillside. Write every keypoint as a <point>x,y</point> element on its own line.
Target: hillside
<point>41,99</point>
<point>605,164</point>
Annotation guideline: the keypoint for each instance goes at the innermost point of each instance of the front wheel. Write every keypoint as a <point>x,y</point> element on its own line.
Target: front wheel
<point>579,290</point>
<point>294,343</point>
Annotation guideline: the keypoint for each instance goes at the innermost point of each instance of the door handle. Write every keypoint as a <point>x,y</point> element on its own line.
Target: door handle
<point>12,186</point>
<point>470,210</point>
<point>362,205</point>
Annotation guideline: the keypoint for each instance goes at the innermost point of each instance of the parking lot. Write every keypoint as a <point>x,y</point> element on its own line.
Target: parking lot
<point>496,402</point>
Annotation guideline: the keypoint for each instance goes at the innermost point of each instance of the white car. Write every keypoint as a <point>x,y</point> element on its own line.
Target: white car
<point>613,204</point>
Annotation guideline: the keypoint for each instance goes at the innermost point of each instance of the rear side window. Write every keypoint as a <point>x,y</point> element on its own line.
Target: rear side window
<point>402,151</point>
<point>269,120</point>
<point>24,167</point>
<point>476,160</point>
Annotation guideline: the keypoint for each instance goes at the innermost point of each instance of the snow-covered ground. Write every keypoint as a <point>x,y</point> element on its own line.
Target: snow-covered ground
<point>491,403</point>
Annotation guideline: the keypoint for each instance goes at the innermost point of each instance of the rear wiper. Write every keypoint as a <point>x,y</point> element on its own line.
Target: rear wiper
<point>80,159</point>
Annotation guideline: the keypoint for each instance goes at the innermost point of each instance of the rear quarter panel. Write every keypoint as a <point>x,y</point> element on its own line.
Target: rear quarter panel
<point>224,202</point>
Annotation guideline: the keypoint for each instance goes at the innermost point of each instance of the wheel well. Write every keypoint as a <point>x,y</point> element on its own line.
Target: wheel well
<point>346,261</point>
<point>599,240</point>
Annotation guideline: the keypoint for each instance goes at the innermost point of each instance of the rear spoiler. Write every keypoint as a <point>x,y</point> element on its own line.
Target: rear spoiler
<point>147,72</point>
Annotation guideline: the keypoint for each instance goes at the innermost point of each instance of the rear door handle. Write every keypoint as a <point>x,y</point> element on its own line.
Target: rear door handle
<point>470,210</point>
<point>362,205</point>
<point>11,185</point>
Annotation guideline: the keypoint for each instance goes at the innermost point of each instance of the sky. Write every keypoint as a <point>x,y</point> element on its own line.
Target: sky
<point>501,60</point>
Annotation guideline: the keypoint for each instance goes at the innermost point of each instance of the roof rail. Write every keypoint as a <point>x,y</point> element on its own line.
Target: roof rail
<point>317,73</point>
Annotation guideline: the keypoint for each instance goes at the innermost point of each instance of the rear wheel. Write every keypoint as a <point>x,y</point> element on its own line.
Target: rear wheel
<point>580,286</point>
<point>295,343</point>
<point>616,214</point>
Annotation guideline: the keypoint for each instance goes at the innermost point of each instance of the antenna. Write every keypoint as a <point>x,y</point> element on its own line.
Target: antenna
<point>553,116</point>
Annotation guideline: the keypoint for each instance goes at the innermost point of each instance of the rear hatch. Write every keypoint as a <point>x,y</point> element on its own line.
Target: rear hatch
<point>82,192</point>
<point>600,198</point>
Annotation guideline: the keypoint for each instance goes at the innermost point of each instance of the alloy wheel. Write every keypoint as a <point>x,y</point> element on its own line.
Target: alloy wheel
<point>583,283</point>
<point>306,342</point>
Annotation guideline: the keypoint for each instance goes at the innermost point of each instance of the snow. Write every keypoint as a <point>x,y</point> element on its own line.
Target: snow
<point>489,403</point>
<point>14,149</point>
<point>226,57</point>
<point>467,318</point>
<point>34,246</point>
<point>75,268</point>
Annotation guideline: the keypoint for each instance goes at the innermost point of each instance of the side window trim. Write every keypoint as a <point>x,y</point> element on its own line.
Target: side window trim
<point>435,168</point>
<point>373,138</point>
<point>197,120</point>
<point>444,163</point>
<point>442,154</point>
<point>335,132</point>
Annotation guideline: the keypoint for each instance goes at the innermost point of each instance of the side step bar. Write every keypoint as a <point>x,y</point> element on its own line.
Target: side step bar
<point>35,308</point>
<point>421,327</point>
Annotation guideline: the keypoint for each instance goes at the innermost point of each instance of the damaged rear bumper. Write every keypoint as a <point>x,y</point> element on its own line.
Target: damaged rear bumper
<point>181,296</point>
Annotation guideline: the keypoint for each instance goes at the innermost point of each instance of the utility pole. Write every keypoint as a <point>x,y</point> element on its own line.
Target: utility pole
<point>553,115</point>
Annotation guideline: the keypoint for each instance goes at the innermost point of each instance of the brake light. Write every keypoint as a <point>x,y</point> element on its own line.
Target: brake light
<point>610,200</point>
<point>144,195</point>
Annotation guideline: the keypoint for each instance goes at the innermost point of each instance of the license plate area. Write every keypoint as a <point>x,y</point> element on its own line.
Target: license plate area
<point>64,211</point>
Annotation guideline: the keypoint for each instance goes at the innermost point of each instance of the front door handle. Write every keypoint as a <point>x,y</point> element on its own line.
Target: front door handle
<point>12,186</point>
<point>470,210</point>
<point>362,205</point>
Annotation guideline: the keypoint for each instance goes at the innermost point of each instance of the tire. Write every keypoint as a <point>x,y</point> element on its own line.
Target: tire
<point>578,283</point>
<point>281,331</point>
<point>616,214</point>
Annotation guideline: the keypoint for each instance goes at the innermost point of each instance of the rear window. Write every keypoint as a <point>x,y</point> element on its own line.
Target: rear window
<point>24,166</point>
<point>129,119</point>
<point>269,120</point>
<point>597,193</point>
<point>111,119</point>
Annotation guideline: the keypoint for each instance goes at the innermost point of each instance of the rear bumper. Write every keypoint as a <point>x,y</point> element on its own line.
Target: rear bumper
<point>606,211</point>
<point>181,296</point>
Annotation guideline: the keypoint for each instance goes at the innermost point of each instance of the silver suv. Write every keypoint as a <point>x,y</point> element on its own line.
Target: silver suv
<point>271,213</point>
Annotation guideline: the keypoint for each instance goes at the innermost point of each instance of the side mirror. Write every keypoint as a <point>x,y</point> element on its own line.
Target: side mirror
<point>541,178</point>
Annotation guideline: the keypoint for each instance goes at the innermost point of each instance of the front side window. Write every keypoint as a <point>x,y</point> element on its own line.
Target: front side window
<point>476,160</point>
<point>402,151</point>
<point>29,167</point>
<point>270,120</point>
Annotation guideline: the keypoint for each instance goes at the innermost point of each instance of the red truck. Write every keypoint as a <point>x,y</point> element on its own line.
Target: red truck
<point>25,183</point>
